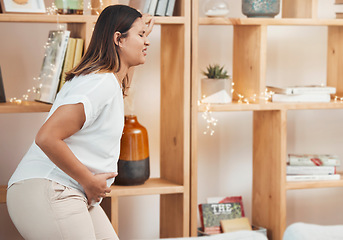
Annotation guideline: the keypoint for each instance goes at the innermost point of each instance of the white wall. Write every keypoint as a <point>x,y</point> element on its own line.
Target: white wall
<point>296,55</point>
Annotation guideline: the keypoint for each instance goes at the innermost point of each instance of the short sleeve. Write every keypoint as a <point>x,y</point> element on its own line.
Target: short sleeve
<point>87,106</point>
<point>94,92</point>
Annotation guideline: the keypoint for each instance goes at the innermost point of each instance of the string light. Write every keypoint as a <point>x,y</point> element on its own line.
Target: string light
<point>211,122</point>
<point>265,96</point>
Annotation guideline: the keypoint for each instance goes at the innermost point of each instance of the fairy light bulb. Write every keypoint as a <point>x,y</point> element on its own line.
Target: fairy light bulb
<point>211,122</point>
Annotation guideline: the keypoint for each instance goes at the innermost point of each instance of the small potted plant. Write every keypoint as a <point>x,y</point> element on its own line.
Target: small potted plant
<point>216,87</point>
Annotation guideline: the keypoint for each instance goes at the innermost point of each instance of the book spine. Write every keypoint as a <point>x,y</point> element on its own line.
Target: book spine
<point>152,7</point>
<point>78,51</point>
<point>146,6</point>
<point>64,45</point>
<point>170,8</point>
<point>313,170</point>
<point>302,90</point>
<point>161,8</point>
<point>54,55</point>
<point>312,177</point>
<point>316,90</point>
<point>318,160</point>
<point>301,98</point>
<point>68,60</point>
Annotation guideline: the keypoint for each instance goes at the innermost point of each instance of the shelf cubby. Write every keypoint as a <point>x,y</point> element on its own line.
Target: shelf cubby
<point>249,68</point>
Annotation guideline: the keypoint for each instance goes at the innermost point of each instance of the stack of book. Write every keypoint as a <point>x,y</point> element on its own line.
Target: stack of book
<point>312,167</point>
<point>224,214</point>
<point>309,93</point>
<point>339,8</point>
<point>154,7</point>
<point>62,53</point>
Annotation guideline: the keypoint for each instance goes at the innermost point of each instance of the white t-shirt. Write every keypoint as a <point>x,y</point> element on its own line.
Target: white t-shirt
<point>97,144</point>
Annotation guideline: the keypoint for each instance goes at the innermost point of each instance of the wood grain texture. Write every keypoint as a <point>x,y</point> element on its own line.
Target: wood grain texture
<point>175,120</point>
<point>335,59</point>
<point>249,60</point>
<point>269,171</point>
<point>24,107</point>
<point>194,122</point>
<point>300,8</point>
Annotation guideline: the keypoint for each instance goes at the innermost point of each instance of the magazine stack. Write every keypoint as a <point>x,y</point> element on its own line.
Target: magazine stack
<point>224,214</point>
<point>309,93</point>
<point>312,167</point>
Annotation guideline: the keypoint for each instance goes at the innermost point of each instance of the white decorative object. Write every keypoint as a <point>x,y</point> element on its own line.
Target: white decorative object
<point>216,8</point>
<point>216,90</point>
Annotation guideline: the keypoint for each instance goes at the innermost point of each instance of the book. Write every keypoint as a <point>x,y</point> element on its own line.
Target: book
<point>338,1</point>
<point>236,224</point>
<point>68,60</point>
<point>313,170</point>
<point>313,160</point>
<point>161,8</point>
<point>52,65</point>
<point>292,178</point>
<point>78,51</point>
<point>152,7</point>
<point>301,98</point>
<point>2,89</point>
<point>141,5</point>
<point>212,213</point>
<point>170,8</point>
<point>309,89</point>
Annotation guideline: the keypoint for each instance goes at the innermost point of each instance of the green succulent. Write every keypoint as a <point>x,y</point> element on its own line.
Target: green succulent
<point>215,72</point>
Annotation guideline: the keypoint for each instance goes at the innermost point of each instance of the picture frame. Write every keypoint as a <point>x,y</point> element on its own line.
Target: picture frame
<point>2,89</point>
<point>22,6</point>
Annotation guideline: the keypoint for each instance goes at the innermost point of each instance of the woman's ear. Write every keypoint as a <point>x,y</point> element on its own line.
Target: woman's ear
<point>116,38</point>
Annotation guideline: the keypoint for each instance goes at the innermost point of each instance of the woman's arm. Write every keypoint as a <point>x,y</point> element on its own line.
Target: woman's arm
<point>63,123</point>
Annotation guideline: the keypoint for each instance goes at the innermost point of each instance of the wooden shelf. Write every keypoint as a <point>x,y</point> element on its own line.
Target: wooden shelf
<point>42,18</point>
<point>269,106</point>
<point>151,186</point>
<point>24,107</point>
<point>314,184</point>
<point>271,21</point>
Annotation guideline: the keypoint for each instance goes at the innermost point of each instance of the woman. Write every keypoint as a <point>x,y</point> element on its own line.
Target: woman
<point>56,189</point>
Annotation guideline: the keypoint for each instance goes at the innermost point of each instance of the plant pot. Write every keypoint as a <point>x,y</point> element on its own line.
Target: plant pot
<point>261,8</point>
<point>133,163</point>
<point>216,90</point>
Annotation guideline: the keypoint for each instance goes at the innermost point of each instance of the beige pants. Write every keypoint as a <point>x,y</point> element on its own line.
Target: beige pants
<point>43,209</point>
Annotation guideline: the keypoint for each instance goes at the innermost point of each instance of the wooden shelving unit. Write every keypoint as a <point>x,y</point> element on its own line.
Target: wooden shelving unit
<point>269,106</point>
<point>24,107</point>
<point>173,186</point>
<point>271,21</point>
<point>314,184</point>
<point>269,119</point>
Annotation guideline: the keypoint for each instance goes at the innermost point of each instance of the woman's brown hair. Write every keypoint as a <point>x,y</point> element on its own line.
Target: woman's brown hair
<point>102,54</point>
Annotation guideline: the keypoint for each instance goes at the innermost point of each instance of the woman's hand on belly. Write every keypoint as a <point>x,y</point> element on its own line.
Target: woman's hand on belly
<point>97,188</point>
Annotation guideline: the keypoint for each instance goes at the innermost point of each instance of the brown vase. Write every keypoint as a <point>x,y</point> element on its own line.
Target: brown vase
<point>133,163</point>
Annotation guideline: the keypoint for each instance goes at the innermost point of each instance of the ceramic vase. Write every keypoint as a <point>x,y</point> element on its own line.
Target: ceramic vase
<point>133,163</point>
<point>261,8</point>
